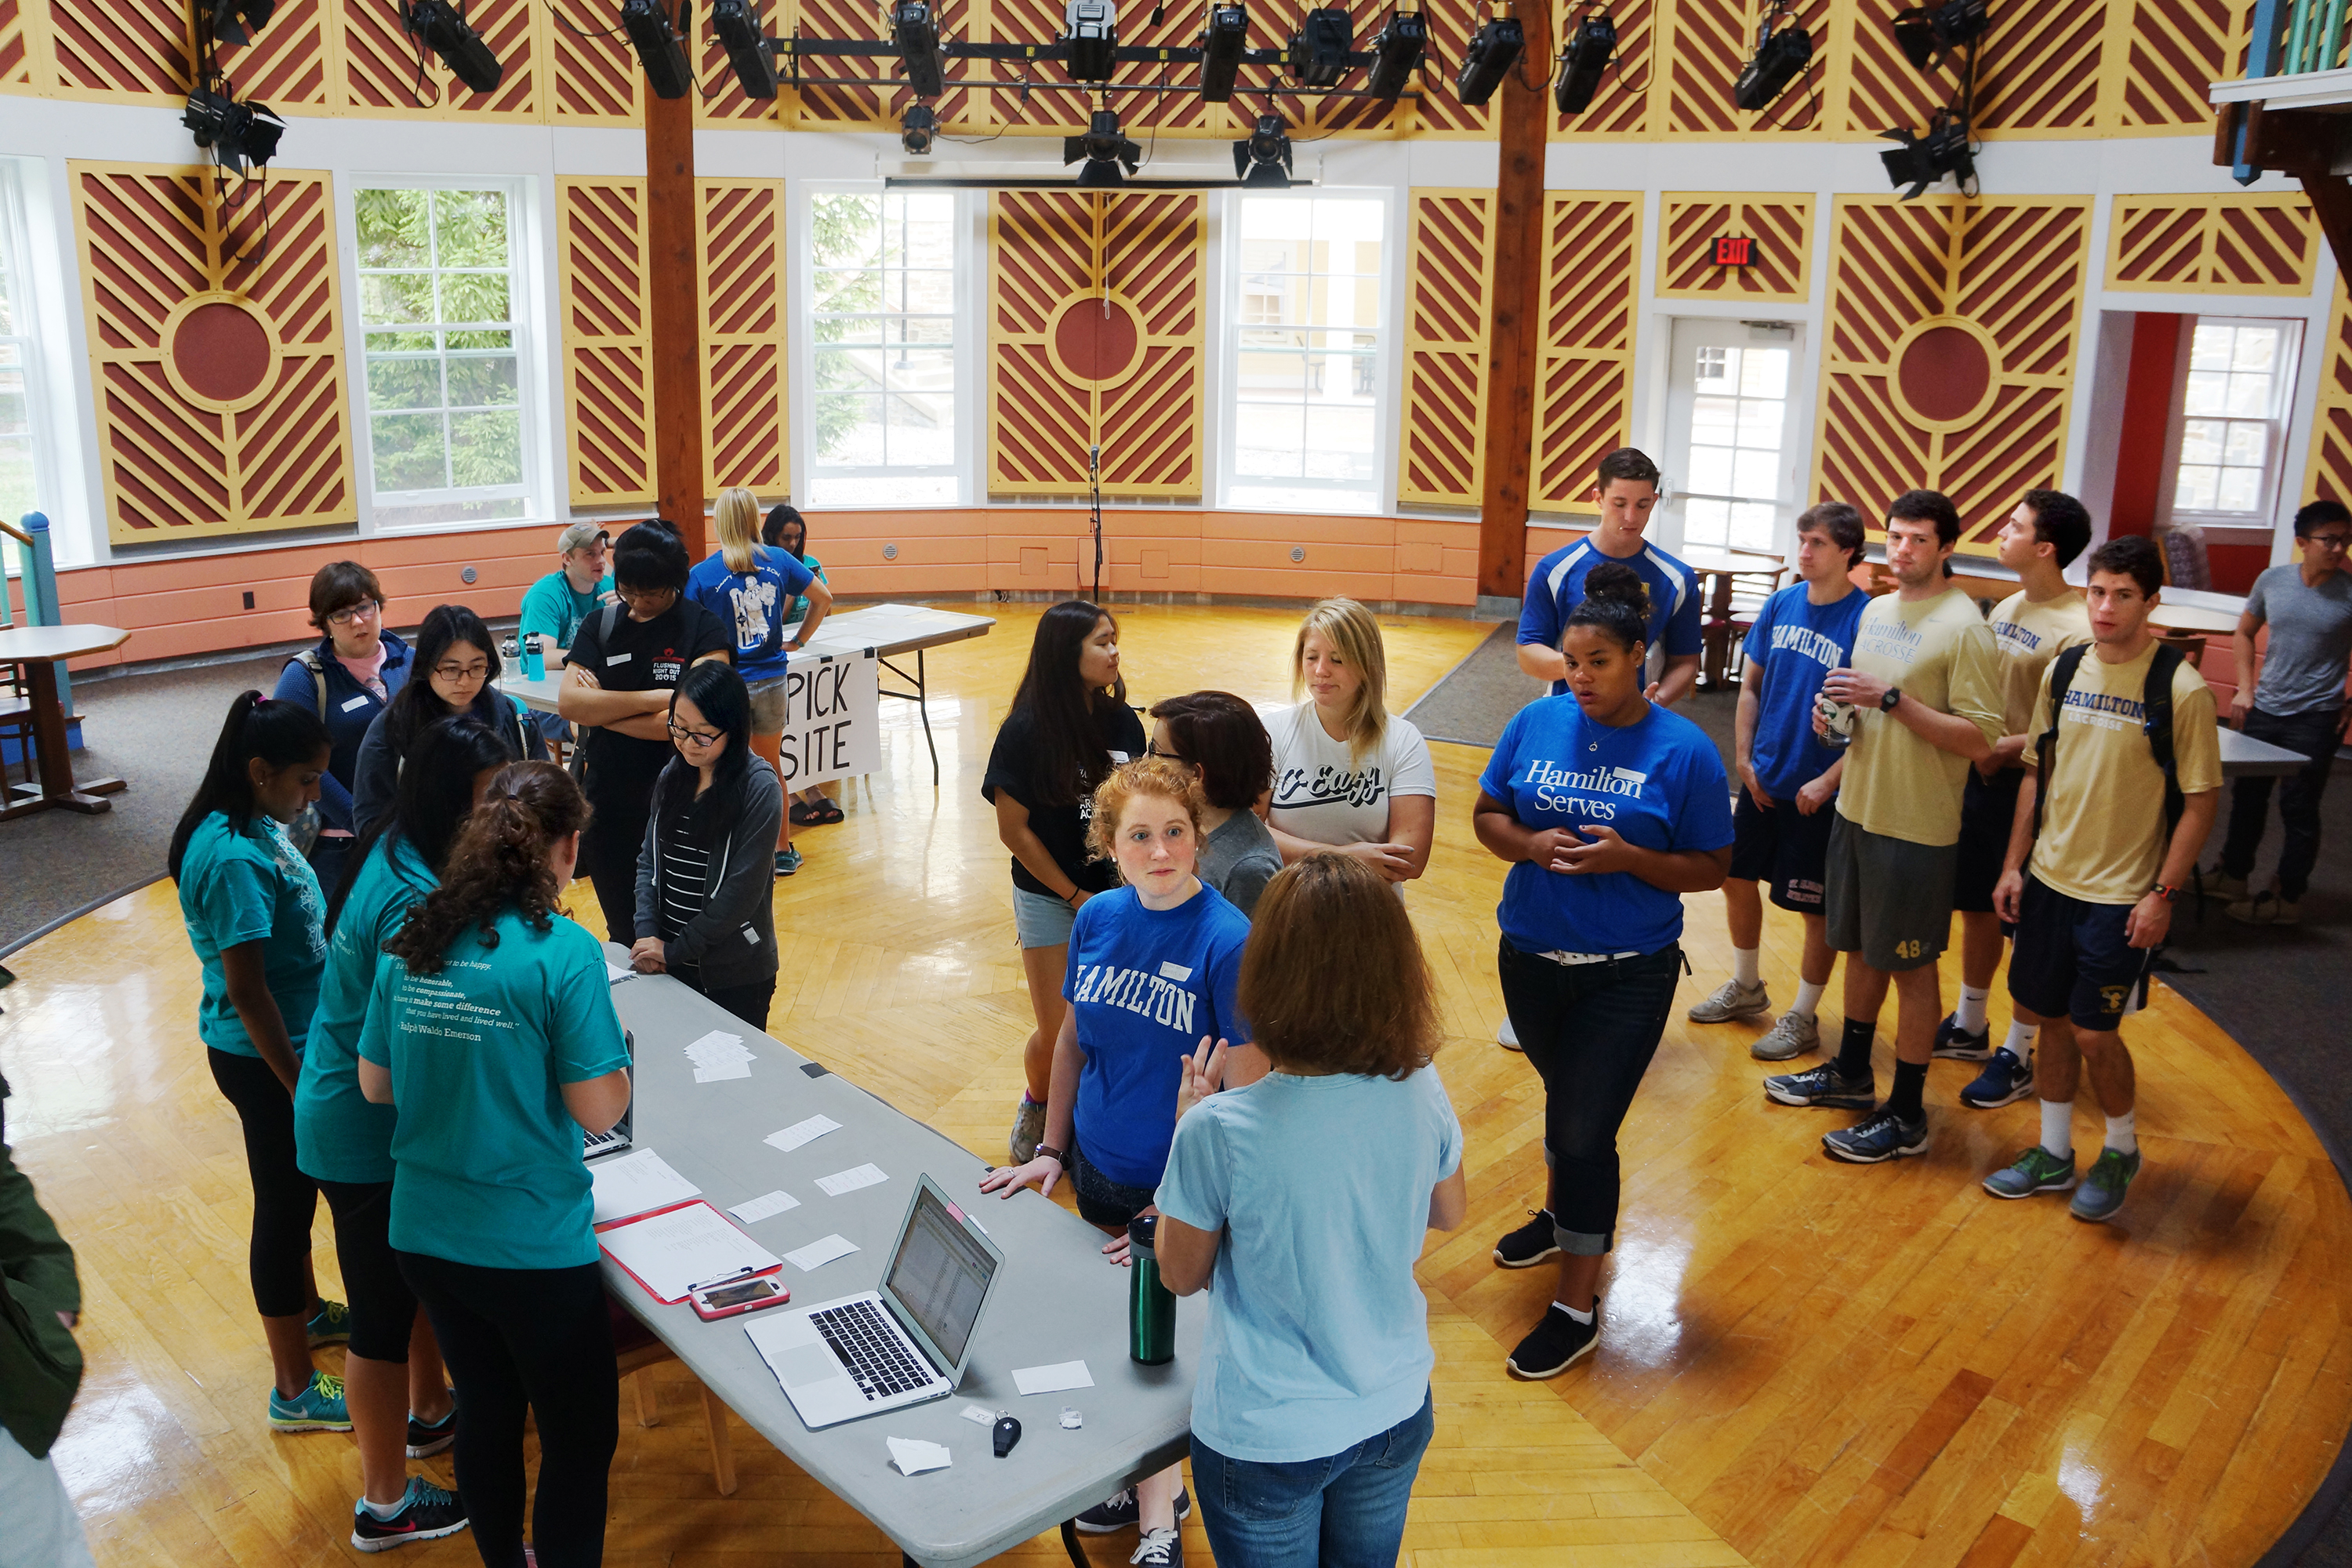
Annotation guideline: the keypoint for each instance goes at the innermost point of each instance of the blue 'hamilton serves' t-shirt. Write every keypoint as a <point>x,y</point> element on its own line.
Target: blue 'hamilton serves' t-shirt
<point>339,1135</point>
<point>254,886</point>
<point>1147,984</point>
<point>752,604</point>
<point>487,1165</point>
<point>1557,586</point>
<point>1793,644</point>
<point>1659,783</point>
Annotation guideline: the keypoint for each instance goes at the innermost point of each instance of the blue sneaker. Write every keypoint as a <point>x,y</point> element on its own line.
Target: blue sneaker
<point>318,1408</point>
<point>2035,1171</point>
<point>428,1513</point>
<point>2004,1081</point>
<point>1957,1044</point>
<point>2102,1191</point>
<point>331,1326</point>
<point>1881,1135</point>
<point>429,1438</point>
<point>787,860</point>
<point>1824,1087</point>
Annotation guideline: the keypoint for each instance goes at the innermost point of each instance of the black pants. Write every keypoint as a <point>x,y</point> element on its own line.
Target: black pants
<point>1589,1030</point>
<point>749,1002</point>
<point>284,1199</point>
<point>608,858</point>
<point>2314,735</point>
<point>535,1339</point>
<point>384,1308</point>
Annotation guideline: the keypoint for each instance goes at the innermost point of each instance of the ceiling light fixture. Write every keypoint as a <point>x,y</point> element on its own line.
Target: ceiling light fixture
<point>1397,49</point>
<point>656,42</point>
<point>441,28</point>
<point>1494,50</point>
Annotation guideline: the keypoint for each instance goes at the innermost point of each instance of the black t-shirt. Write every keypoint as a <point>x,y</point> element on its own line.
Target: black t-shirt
<point>641,656</point>
<point>1011,767</point>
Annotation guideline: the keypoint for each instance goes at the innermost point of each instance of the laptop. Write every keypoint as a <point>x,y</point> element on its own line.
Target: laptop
<point>612,1140</point>
<point>904,1343</point>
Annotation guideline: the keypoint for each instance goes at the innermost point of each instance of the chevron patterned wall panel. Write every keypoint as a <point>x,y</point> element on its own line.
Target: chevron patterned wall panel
<point>139,48</point>
<point>1950,357</point>
<point>2212,245</point>
<point>1098,315</point>
<point>16,46</point>
<point>596,79</point>
<point>1781,227</point>
<point>2170,50</point>
<point>381,75</point>
<point>608,389</point>
<point>217,358</point>
<point>1585,376</point>
<point>739,227</point>
<point>2329,473</point>
<point>1449,273</point>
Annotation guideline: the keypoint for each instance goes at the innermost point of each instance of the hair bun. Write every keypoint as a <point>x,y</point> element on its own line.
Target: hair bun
<point>1617,580</point>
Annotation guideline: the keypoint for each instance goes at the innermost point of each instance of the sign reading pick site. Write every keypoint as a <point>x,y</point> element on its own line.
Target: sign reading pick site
<point>832,727</point>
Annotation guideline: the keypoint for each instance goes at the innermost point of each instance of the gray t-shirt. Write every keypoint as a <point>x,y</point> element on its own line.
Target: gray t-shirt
<point>2311,640</point>
<point>1238,858</point>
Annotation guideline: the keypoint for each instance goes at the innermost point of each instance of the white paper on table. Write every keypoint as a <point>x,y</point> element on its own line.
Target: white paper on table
<point>849,1181</point>
<point>672,1252</point>
<point>979,1415</point>
<point>634,1183</point>
<point>613,972</point>
<point>723,1070</point>
<point>1052,1379</point>
<point>819,1253</point>
<point>801,1132</point>
<point>913,1456</point>
<point>775,1202</point>
<point>717,1046</point>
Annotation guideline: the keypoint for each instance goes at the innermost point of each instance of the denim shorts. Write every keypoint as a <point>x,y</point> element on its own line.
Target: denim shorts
<point>1041,920</point>
<point>768,705</point>
<point>1101,1201</point>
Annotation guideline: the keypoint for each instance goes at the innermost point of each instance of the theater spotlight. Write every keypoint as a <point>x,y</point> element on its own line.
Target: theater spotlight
<point>1494,50</point>
<point>1397,49</point>
<point>436,25</point>
<point>1103,150</point>
<point>241,137</point>
<point>1090,29</point>
<point>1781,56</point>
<point>235,21</point>
<point>1922,32</point>
<point>917,127</point>
<point>737,23</point>
<point>1921,160</point>
<point>916,31</point>
<point>658,46</point>
<point>1581,63</point>
<point>1262,162</point>
<point>1222,43</point>
<point>1317,56</point>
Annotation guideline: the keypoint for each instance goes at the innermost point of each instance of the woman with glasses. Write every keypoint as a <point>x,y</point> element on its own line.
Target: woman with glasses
<point>347,680</point>
<point>1220,739</point>
<point>459,659</point>
<point>704,913</point>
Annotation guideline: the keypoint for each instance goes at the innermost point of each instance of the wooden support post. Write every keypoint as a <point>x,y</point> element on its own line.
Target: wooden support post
<point>1513,329</point>
<point>2331,203</point>
<point>677,348</point>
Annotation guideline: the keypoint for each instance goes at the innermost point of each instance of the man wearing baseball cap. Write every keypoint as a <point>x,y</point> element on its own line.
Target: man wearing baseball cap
<point>553,607</point>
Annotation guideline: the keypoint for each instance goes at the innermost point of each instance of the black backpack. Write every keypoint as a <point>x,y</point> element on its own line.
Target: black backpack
<point>2155,708</point>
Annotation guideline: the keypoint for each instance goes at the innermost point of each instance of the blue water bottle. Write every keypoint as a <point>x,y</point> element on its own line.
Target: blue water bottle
<point>534,663</point>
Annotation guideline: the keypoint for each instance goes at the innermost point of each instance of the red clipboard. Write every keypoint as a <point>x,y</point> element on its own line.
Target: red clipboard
<point>672,1208</point>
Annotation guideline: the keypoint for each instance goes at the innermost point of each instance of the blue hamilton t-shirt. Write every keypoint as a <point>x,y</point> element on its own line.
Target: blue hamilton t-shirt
<point>752,604</point>
<point>1659,783</point>
<point>1557,586</point>
<point>1793,644</point>
<point>339,1135</point>
<point>1147,985</point>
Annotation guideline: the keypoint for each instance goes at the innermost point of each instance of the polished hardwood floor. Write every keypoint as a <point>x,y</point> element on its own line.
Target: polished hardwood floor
<point>1804,1362</point>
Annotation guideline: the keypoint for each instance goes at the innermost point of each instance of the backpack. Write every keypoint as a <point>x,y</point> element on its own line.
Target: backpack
<point>2155,708</point>
<point>604,625</point>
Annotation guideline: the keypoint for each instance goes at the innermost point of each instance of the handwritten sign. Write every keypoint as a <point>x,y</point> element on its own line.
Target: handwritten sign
<point>831,727</point>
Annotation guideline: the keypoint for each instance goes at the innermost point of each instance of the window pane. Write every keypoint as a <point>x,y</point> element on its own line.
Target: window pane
<point>486,383</point>
<point>396,297</point>
<point>1757,475</point>
<point>474,297</point>
<point>469,228</point>
<point>2201,440</point>
<point>2240,490</point>
<point>849,428</point>
<point>393,228</point>
<point>2209,348</point>
<point>404,382</point>
<point>1339,443</point>
<point>846,370</point>
<point>939,330</point>
<point>919,370</point>
<point>2249,396</point>
<point>1751,526</point>
<point>845,230</point>
<point>1760,424</point>
<point>485,449</point>
<point>2197,488</point>
<point>408,453</point>
<point>1306,350</point>
<point>1710,470</point>
<point>2207,393</point>
<point>403,343</point>
<point>1270,440</point>
<point>1257,375</point>
<point>2256,350</point>
<point>884,288</point>
<point>1708,522</point>
<point>921,430</point>
<point>2247,444</point>
<point>1714,420</point>
<point>481,340</point>
<point>1764,372</point>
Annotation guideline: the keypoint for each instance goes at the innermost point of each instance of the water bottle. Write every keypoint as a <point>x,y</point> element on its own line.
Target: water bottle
<point>534,663</point>
<point>1150,1306</point>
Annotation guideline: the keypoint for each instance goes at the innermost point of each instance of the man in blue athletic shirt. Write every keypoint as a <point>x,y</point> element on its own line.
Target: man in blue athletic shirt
<point>1626,493</point>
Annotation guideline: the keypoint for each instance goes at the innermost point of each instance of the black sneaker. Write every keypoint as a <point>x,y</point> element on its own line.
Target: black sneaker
<point>1554,1345</point>
<point>1881,1135</point>
<point>1119,1512</point>
<point>1824,1087</point>
<point>426,1441</point>
<point>1531,1243</point>
<point>1954,1044</point>
<point>1159,1549</point>
<point>428,1513</point>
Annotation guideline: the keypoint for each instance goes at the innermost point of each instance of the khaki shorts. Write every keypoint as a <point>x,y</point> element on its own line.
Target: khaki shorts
<point>768,707</point>
<point>1886,899</point>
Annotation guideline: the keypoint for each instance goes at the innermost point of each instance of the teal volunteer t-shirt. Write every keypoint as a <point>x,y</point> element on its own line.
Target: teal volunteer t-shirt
<point>553,608</point>
<point>489,1172</point>
<point>340,1136</point>
<point>253,886</point>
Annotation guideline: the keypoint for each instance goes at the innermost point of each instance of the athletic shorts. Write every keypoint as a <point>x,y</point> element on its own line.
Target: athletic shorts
<point>1102,1202</point>
<point>1886,899</point>
<point>1783,849</point>
<point>2073,959</point>
<point>1986,810</point>
<point>769,708</point>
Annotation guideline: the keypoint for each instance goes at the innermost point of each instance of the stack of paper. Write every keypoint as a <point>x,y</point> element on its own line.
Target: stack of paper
<point>634,1183</point>
<point>717,1056</point>
<point>670,1253</point>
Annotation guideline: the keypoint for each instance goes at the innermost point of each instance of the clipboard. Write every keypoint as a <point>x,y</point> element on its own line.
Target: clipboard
<point>751,1249</point>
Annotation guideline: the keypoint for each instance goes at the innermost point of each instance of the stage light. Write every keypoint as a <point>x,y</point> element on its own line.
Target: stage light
<point>436,25</point>
<point>647,23</point>
<point>1581,63</point>
<point>1923,31</point>
<point>916,126</point>
<point>1921,160</point>
<point>1103,150</point>
<point>737,23</point>
<point>1222,44</point>
<point>1397,49</point>
<point>1781,56</point>
<point>1090,29</point>
<point>1317,56</point>
<point>235,21</point>
<point>242,137</point>
<point>915,30</point>
<point>1263,163</point>
<point>1494,50</point>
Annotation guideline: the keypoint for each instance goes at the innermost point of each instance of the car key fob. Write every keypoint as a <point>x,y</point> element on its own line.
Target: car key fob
<point>1005,1433</point>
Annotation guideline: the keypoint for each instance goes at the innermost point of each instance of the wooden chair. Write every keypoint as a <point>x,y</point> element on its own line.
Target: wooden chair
<point>2191,646</point>
<point>637,1350</point>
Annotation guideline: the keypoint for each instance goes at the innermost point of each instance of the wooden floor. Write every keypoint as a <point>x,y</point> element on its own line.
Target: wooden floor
<point>1804,1362</point>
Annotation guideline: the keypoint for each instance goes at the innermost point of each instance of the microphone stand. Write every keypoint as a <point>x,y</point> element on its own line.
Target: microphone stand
<point>1094,482</point>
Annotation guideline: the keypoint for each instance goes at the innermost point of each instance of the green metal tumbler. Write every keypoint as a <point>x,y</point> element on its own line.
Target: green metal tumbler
<point>1150,1306</point>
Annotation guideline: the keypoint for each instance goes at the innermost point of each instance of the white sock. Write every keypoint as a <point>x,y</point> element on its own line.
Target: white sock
<point>2058,1128</point>
<point>2123,1134</point>
<point>1743,967</point>
<point>1809,997</point>
<point>386,1511</point>
<point>1580,1317</point>
<point>1971,1012</point>
<point>2020,1040</point>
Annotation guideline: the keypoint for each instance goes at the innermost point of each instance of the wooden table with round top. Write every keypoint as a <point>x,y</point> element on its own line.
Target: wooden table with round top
<point>38,650</point>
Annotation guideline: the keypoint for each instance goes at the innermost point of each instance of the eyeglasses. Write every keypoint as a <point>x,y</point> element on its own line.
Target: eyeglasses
<point>365,610</point>
<point>478,670</point>
<point>2328,540</point>
<point>1151,748</point>
<point>696,737</point>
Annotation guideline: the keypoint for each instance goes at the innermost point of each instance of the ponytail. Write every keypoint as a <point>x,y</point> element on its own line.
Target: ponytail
<point>499,862</point>
<point>280,733</point>
<point>1617,602</point>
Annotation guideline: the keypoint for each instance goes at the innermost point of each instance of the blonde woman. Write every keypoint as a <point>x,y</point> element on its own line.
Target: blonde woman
<point>1348,778</point>
<point>751,587</point>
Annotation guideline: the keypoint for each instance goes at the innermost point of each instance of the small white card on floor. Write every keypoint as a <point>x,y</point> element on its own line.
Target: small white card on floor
<point>914,1457</point>
<point>819,1253</point>
<point>849,1181</point>
<point>801,1132</point>
<point>632,1183</point>
<point>775,1202</point>
<point>723,1070</point>
<point>1052,1379</point>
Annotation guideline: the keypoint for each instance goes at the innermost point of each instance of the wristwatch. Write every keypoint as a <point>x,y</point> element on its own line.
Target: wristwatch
<point>1886,703</point>
<point>2169,895</point>
<point>1046,1151</point>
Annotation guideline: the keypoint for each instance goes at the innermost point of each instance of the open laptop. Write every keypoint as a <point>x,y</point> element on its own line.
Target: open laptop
<point>612,1140</point>
<point>901,1345</point>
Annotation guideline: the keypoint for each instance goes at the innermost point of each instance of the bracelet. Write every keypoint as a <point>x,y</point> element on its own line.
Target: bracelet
<point>1047,1152</point>
<point>1073,893</point>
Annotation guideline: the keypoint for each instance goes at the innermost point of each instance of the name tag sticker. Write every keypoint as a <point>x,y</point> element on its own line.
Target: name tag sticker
<point>1174,972</point>
<point>614,658</point>
<point>355,704</point>
<point>1120,758</point>
<point>751,936</point>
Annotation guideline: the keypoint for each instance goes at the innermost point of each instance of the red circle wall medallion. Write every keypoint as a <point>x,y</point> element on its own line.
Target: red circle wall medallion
<point>220,351</point>
<point>1096,338</point>
<point>1944,373</point>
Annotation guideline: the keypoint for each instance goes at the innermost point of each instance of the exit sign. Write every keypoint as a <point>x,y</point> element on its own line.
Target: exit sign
<point>1730,252</point>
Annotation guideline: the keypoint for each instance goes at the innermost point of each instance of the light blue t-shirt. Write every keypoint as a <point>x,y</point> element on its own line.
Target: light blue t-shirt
<point>486,1163</point>
<point>1791,646</point>
<point>752,604</point>
<point>1557,586</point>
<point>339,1135</point>
<point>1660,783</point>
<point>254,886</point>
<point>1146,985</point>
<point>553,608</point>
<point>1319,1333</point>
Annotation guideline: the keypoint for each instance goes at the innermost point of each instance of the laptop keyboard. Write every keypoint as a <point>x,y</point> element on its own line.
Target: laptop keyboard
<point>594,1144</point>
<point>871,1347</point>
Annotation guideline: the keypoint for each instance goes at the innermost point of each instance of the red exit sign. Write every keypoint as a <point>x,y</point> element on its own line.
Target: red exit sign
<point>1730,252</point>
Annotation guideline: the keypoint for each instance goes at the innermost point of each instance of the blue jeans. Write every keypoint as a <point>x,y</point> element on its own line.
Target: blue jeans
<point>1343,1511</point>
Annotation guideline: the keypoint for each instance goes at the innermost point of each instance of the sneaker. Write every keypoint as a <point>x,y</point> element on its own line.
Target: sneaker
<point>1954,1044</point>
<point>788,860</point>
<point>2219,884</point>
<point>2102,1191</point>
<point>331,1325</point>
<point>2035,1171</point>
<point>1881,1135</point>
<point>1531,1243</point>
<point>318,1408</point>
<point>1554,1345</point>
<point>1791,1034</point>
<point>1117,1513</point>
<point>2264,909</point>
<point>1507,1036</point>
<point>1825,1086</point>
<point>1731,1000</point>
<point>428,1513</point>
<point>1028,1129</point>
<point>1160,1549</point>
<point>424,1441</point>
<point>2004,1081</point>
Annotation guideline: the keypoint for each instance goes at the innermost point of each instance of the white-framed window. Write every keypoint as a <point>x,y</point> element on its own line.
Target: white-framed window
<point>1305,349</point>
<point>885,347</point>
<point>446,339</point>
<point>1739,419</point>
<point>24,451</point>
<point>2236,384</point>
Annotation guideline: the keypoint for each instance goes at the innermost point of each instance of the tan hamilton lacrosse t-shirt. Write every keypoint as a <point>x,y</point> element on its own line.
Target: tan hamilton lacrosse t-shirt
<point>2029,636</point>
<point>1898,784</point>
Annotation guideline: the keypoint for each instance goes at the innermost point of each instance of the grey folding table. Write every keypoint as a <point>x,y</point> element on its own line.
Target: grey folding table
<point>2244,757</point>
<point>1056,1300</point>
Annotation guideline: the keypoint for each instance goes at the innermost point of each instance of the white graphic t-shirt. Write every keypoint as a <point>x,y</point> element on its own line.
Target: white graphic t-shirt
<point>1319,794</point>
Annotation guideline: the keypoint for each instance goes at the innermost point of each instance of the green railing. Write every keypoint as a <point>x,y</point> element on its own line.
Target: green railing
<point>2314,37</point>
